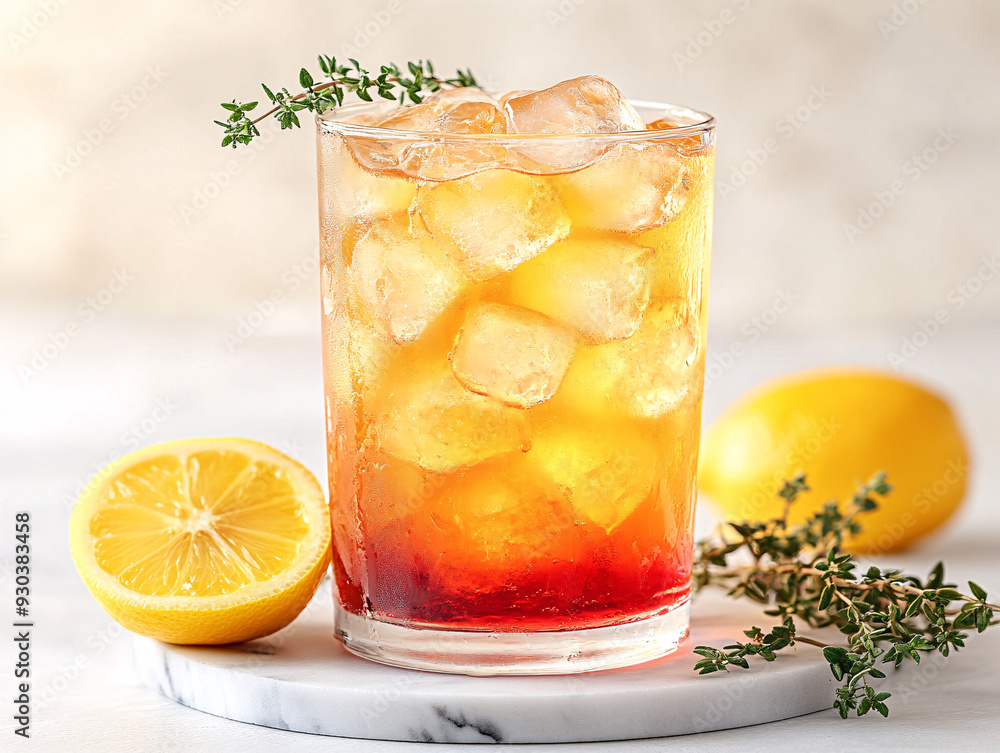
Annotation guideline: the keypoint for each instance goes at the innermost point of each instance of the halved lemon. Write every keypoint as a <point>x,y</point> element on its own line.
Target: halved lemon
<point>202,541</point>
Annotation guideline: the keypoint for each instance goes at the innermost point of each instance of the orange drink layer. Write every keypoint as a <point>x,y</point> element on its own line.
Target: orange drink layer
<point>514,352</point>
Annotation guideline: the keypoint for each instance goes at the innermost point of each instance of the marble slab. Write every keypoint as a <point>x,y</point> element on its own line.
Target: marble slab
<point>301,679</point>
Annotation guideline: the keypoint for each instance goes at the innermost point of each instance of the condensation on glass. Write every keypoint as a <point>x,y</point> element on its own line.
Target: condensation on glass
<point>514,346</point>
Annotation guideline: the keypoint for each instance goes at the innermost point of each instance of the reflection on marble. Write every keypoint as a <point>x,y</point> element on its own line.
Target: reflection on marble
<point>302,679</point>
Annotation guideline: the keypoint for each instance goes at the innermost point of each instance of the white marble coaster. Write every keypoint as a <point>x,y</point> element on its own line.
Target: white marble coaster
<point>302,679</point>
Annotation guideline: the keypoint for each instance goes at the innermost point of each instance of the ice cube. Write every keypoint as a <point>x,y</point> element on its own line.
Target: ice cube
<point>369,352</point>
<point>582,105</point>
<point>646,375</point>
<point>662,358</point>
<point>514,355</point>
<point>412,118</point>
<point>363,118</point>
<point>505,98</point>
<point>472,117</point>
<point>605,470</point>
<point>403,277</point>
<point>331,287</point>
<point>446,159</point>
<point>448,117</point>
<point>491,527</point>
<point>454,96</point>
<point>631,187</point>
<point>462,110</point>
<point>336,331</point>
<point>393,490</point>
<point>349,191</point>
<point>553,155</point>
<point>589,385</point>
<point>449,160</point>
<point>588,104</point>
<point>598,286</point>
<point>430,419</point>
<point>490,222</point>
<point>683,245</point>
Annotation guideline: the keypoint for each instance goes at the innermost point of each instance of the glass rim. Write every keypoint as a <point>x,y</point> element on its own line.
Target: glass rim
<point>702,123</point>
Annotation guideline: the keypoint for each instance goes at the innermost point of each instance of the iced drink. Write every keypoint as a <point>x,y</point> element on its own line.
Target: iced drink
<point>514,321</point>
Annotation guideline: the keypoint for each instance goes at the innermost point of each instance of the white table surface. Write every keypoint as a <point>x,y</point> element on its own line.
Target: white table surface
<point>99,396</point>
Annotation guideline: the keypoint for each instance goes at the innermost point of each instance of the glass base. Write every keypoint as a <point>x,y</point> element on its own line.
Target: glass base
<point>483,653</point>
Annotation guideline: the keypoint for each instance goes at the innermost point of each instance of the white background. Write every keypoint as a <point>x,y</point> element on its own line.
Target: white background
<point>147,359</point>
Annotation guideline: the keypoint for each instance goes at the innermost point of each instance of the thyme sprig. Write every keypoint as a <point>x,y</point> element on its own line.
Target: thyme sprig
<point>391,83</point>
<point>802,573</point>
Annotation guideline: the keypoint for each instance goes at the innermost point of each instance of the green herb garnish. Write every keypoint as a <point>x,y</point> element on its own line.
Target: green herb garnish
<point>886,617</point>
<point>391,83</point>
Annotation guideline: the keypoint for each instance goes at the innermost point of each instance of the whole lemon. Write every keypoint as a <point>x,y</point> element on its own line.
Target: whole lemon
<point>840,427</point>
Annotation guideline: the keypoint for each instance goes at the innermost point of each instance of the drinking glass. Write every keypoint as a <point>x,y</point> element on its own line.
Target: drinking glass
<point>514,346</point>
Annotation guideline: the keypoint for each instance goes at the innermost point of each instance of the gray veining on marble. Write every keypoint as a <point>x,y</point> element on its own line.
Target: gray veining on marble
<point>302,679</point>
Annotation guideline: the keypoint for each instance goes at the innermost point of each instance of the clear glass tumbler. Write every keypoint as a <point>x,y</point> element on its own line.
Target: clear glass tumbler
<point>514,342</point>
